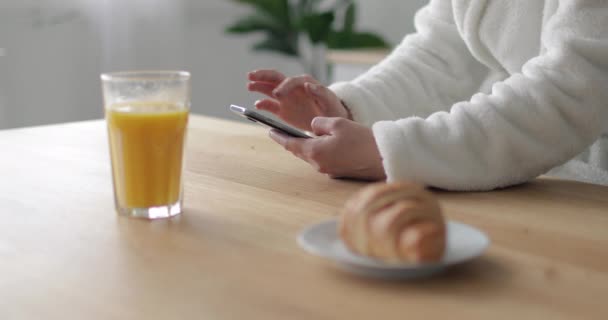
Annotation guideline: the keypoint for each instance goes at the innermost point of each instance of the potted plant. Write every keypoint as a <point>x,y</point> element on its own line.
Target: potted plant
<point>305,29</point>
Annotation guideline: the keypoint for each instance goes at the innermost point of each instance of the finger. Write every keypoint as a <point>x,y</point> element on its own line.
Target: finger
<point>266,75</point>
<point>261,87</point>
<point>297,146</point>
<point>290,84</point>
<point>322,95</point>
<point>269,105</point>
<point>278,137</point>
<point>294,145</point>
<point>322,126</point>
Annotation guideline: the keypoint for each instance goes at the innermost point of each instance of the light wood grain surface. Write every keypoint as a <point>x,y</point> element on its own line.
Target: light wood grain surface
<point>64,254</point>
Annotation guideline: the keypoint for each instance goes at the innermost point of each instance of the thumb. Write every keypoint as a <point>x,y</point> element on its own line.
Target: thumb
<point>323,95</point>
<point>322,126</point>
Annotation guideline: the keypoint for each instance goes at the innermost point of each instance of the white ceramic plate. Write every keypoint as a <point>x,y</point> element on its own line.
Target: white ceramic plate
<point>464,243</point>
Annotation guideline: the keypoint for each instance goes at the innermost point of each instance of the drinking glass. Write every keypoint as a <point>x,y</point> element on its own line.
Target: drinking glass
<point>147,115</point>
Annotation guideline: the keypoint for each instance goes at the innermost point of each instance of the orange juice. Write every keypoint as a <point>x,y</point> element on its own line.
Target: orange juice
<point>146,145</point>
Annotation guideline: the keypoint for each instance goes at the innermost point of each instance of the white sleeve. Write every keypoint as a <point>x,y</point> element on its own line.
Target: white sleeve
<point>428,72</point>
<point>529,123</point>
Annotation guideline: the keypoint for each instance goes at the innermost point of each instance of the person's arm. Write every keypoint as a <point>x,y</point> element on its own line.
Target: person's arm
<point>529,123</point>
<point>429,71</point>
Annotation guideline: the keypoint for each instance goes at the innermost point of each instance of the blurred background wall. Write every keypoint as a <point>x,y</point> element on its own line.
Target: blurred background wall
<point>52,51</point>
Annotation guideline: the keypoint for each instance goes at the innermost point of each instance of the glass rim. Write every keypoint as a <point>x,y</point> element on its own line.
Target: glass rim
<point>145,75</point>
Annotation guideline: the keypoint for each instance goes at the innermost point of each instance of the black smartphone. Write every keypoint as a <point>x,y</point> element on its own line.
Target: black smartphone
<point>257,117</point>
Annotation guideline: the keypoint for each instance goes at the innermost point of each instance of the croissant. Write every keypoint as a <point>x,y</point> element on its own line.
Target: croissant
<point>396,222</point>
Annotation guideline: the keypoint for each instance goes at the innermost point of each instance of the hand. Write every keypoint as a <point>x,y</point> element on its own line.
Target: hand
<point>345,149</point>
<point>295,100</point>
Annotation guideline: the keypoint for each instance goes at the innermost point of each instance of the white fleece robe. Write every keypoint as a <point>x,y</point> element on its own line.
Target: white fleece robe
<point>490,93</point>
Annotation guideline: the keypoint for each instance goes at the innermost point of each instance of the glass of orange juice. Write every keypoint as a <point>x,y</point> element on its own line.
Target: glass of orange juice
<point>147,114</point>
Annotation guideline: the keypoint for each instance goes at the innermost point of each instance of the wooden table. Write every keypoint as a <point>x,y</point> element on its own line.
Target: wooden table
<point>64,254</point>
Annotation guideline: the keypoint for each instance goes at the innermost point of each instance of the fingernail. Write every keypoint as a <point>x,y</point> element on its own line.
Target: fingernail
<point>314,88</point>
<point>276,93</point>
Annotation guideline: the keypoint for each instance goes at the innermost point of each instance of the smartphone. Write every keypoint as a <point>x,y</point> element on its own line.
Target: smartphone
<point>257,117</point>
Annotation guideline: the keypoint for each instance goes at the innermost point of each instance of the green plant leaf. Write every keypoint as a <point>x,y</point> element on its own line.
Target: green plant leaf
<point>317,26</point>
<point>305,7</point>
<point>349,18</point>
<point>254,23</point>
<point>283,21</point>
<point>277,9</point>
<point>353,40</point>
<point>276,44</point>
